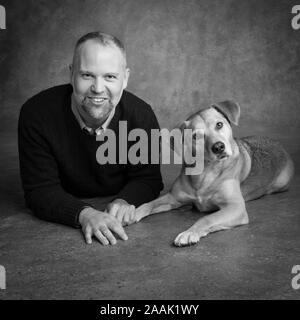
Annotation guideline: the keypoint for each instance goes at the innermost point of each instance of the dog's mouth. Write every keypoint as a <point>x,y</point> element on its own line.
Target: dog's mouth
<point>217,157</point>
<point>222,156</point>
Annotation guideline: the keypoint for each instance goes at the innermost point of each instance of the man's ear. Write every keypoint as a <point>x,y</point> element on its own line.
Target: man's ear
<point>71,72</point>
<point>230,109</point>
<point>126,77</point>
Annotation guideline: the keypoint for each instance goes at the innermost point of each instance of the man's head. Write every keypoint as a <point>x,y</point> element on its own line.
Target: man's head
<point>99,75</point>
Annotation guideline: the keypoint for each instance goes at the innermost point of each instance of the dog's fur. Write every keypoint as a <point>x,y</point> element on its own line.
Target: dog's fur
<point>242,170</point>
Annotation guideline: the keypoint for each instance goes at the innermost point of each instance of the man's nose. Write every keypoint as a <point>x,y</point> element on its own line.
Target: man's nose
<point>97,86</point>
<point>218,147</point>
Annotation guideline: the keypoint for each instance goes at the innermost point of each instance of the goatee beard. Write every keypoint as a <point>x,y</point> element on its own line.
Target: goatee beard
<point>96,121</point>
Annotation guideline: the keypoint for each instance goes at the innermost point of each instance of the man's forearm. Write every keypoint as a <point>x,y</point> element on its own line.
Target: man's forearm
<point>54,204</point>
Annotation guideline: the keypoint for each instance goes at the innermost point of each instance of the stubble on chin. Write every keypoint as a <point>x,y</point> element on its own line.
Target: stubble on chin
<point>98,112</point>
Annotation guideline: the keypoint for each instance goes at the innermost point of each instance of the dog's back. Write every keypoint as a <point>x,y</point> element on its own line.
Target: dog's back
<point>271,167</point>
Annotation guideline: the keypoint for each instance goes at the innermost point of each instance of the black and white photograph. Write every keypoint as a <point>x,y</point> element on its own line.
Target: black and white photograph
<point>149,151</point>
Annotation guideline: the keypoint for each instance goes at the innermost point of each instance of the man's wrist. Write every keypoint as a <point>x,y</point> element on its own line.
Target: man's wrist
<point>83,212</point>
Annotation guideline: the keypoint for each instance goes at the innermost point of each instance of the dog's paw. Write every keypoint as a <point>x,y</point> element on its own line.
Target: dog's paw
<point>188,238</point>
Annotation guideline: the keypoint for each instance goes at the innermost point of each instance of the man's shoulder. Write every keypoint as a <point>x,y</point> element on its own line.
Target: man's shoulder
<point>138,112</point>
<point>132,103</point>
<point>48,99</point>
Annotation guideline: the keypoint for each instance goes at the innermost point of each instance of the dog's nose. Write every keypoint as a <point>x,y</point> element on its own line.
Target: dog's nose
<point>218,147</point>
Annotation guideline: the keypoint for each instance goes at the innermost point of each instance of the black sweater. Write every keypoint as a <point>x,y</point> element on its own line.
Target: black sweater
<point>58,163</point>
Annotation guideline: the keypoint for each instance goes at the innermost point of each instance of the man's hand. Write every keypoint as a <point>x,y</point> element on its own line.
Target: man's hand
<point>122,210</point>
<point>100,225</point>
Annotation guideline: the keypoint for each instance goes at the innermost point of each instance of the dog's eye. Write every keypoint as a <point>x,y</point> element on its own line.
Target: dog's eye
<point>219,125</point>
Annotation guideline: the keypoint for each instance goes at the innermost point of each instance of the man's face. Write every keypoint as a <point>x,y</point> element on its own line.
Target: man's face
<point>98,77</point>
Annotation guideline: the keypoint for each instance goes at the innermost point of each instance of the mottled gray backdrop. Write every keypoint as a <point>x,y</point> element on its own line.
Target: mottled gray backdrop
<point>182,54</point>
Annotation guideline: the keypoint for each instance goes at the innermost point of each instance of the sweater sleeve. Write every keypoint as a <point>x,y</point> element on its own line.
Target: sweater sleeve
<point>144,181</point>
<point>44,194</point>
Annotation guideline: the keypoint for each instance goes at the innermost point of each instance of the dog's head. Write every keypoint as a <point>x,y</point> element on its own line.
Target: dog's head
<point>214,125</point>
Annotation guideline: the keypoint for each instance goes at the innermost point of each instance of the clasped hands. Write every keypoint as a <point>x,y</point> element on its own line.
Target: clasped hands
<point>105,225</point>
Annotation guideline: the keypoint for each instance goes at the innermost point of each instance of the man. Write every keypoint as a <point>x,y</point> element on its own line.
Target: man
<point>57,144</point>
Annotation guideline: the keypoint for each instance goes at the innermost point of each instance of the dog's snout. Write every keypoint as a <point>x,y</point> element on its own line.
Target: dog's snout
<point>218,147</point>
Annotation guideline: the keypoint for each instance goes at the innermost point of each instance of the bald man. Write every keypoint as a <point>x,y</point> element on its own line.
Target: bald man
<point>58,130</point>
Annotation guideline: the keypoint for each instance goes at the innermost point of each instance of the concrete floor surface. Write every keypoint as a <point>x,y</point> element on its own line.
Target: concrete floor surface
<point>50,261</point>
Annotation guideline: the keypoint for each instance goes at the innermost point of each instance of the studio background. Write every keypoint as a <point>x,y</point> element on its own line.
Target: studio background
<point>183,55</point>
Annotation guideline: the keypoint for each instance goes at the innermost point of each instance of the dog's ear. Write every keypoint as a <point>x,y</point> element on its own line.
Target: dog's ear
<point>181,126</point>
<point>184,125</point>
<point>230,109</point>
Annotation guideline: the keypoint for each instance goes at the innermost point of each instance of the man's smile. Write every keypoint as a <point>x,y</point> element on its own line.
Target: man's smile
<point>98,100</point>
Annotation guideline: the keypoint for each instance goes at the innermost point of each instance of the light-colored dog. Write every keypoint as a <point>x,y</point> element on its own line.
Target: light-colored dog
<point>235,171</point>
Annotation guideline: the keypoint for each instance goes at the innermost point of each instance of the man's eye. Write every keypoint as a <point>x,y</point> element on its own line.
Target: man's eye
<point>219,125</point>
<point>86,75</point>
<point>110,77</point>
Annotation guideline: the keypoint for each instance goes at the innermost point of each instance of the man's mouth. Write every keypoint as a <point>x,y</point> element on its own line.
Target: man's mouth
<point>98,100</point>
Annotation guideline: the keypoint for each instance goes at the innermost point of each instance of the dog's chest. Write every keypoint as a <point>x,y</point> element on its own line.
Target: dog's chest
<point>204,201</point>
<point>198,190</point>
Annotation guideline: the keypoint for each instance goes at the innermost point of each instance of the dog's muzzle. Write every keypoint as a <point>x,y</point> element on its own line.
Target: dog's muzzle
<point>218,148</point>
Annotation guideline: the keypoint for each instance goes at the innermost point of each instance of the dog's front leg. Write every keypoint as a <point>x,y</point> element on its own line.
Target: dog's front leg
<point>232,213</point>
<point>164,203</point>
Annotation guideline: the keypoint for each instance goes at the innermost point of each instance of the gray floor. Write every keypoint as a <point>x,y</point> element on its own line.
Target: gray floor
<point>50,261</point>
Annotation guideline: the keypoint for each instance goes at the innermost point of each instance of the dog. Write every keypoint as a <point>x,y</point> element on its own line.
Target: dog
<point>235,171</point>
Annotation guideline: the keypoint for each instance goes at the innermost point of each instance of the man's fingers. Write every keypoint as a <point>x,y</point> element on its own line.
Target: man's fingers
<point>132,212</point>
<point>118,229</point>
<point>114,210</point>
<point>88,235</point>
<point>98,234</point>
<point>126,218</point>
<point>109,236</point>
<point>102,226</point>
<point>129,215</point>
<point>120,214</point>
